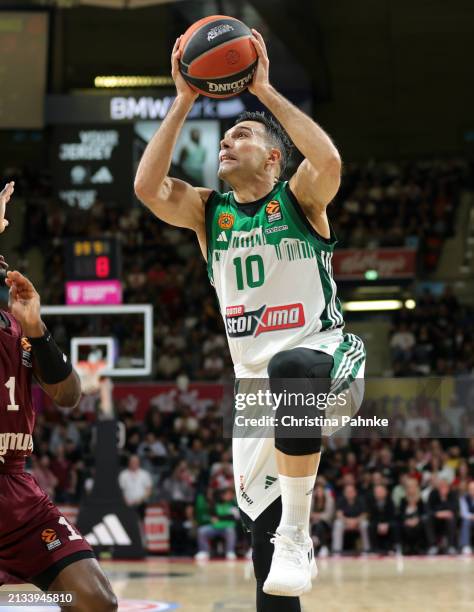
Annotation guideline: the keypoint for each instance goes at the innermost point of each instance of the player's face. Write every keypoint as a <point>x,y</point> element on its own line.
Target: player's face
<point>244,151</point>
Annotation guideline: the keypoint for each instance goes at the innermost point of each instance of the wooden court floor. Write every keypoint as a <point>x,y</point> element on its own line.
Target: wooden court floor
<point>405,584</point>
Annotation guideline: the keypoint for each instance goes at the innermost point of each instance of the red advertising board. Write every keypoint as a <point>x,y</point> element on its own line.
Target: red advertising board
<point>352,264</point>
<point>157,529</point>
<point>140,396</point>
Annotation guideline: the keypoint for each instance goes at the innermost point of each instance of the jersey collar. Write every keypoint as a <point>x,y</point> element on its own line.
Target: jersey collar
<point>256,203</point>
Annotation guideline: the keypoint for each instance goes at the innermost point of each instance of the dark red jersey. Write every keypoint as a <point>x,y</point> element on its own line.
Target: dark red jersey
<point>34,535</point>
<point>17,416</point>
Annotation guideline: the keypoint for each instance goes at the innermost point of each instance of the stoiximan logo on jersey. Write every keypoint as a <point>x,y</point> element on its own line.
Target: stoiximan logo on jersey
<point>266,319</point>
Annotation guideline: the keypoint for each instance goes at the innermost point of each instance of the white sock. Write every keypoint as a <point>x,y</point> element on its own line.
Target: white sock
<point>296,499</point>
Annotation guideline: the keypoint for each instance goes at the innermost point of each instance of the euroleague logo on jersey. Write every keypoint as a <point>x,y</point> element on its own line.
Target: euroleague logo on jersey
<point>48,535</point>
<point>266,319</point>
<point>273,211</point>
<point>50,539</point>
<point>26,352</point>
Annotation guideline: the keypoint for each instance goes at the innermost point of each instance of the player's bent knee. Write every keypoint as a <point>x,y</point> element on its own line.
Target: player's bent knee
<point>99,598</point>
<point>287,364</point>
<point>89,584</point>
<point>300,363</point>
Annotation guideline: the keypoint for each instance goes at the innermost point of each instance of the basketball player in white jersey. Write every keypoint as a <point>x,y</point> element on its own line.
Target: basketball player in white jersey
<point>268,246</point>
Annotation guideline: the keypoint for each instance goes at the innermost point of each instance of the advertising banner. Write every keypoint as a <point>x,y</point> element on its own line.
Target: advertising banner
<point>81,293</point>
<point>92,163</point>
<point>352,264</point>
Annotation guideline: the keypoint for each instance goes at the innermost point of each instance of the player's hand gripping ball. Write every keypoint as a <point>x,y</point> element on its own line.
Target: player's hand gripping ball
<point>217,56</point>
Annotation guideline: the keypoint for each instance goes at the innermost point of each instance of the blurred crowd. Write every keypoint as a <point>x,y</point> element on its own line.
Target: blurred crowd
<point>409,204</point>
<point>435,338</point>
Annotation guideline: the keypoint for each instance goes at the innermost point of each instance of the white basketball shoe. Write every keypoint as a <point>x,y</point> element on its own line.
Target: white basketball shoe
<point>293,565</point>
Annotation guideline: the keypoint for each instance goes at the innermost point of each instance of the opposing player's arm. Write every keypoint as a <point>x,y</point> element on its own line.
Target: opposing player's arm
<point>170,199</point>
<point>318,177</point>
<point>66,393</point>
<point>51,367</point>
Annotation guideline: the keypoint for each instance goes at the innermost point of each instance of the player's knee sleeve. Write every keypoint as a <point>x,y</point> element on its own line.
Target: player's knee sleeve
<point>306,373</point>
<point>297,447</point>
<point>301,363</point>
<point>288,364</point>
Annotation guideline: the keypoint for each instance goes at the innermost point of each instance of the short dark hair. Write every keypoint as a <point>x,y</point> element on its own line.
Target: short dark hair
<point>275,133</point>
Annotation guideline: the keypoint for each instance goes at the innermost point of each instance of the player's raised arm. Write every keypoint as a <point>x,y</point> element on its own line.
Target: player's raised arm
<point>170,199</point>
<point>318,177</point>
<point>51,367</point>
<point>5,196</point>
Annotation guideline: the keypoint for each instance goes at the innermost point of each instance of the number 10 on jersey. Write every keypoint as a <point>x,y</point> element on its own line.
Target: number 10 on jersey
<point>251,274</point>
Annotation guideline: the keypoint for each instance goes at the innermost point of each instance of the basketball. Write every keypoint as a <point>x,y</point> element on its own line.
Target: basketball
<point>218,58</point>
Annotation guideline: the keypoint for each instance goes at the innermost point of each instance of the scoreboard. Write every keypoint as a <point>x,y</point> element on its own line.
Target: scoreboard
<point>95,259</point>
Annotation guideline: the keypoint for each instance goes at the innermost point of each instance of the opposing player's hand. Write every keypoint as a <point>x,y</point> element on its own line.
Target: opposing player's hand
<point>5,196</point>
<point>261,78</point>
<point>182,88</point>
<point>24,303</point>
<point>3,264</point>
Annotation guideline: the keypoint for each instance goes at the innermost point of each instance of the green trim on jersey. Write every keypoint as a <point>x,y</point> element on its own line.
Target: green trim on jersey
<point>331,316</point>
<point>348,359</point>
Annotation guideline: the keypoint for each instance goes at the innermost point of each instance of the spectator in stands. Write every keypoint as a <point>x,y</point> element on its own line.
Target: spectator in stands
<point>384,465</point>
<point>133,441</point>
<point>351,516</point>
<point>351,466</point>
<point>437,468</point>
<point>179,487</point>
<point>412,520</point>
<point>223,514</point>
<point>382,520</point>
<point>197,456</point>
<point>466,510</point>
<point>402,343</point>
<point>152,450</point>
<point>442,515</point>
<point>213,365</point>
<point>221,476</point>
<point>61,433</point>
<point>169,363</point>
<point>462,479</point>
<point>136,485</point>
<point>399,490</point>
<point>321,518</point>
<point>185,422</point>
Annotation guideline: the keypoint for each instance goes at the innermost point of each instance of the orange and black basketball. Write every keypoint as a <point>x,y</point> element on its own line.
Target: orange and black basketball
<point>218,58</point>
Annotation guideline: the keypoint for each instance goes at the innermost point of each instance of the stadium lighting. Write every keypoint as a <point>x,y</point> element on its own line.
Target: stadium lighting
<point>372,305</point>
<point>132,81</point>
<point>410,304</point>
